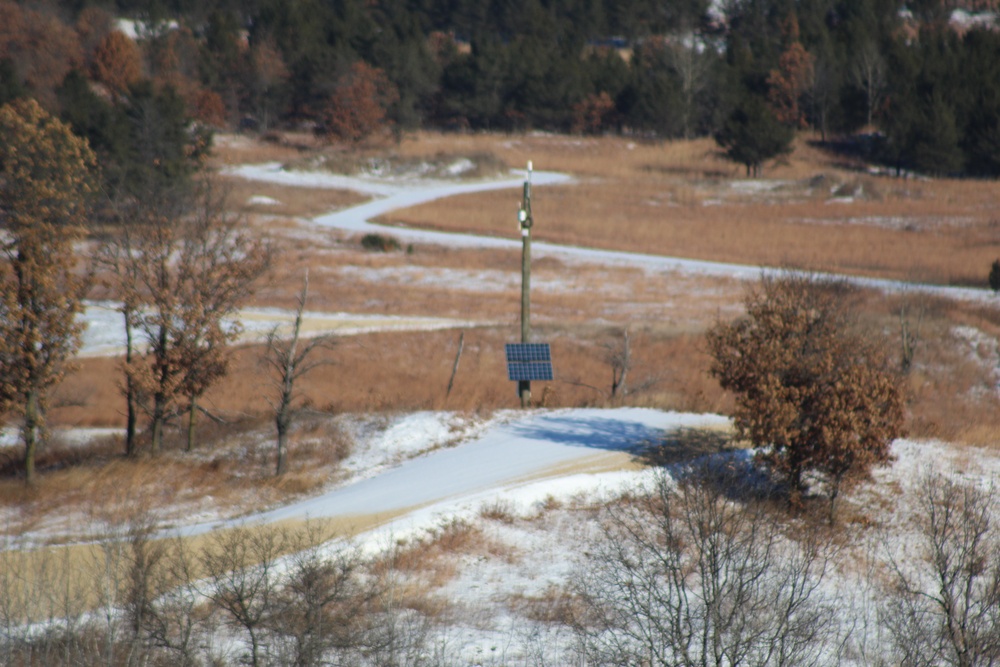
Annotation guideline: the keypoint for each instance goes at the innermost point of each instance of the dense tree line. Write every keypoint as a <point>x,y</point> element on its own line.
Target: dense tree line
<point>751,73</point>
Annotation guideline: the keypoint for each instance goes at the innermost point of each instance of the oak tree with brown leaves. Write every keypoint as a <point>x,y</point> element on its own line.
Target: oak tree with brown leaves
<point>814,393</point>
<point>791,79</point>
<point>591,113</point>
<point>360,103</point>
<point>45,180</point>
<point>42,48</point>
<point>187,271</point>
<point>117,62</point>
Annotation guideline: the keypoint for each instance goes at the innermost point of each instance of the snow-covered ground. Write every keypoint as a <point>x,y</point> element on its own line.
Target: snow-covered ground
<point>514,452</point>
<point>105,333</point>
<point>422,471</point>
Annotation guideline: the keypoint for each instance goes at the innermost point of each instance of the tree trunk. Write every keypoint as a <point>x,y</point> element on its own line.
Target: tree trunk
<point>130,400</point>
<point>30,434</point>
<point>159,396</point>
<point>159,411</point>
<point>254,650</point>
<point>834,492</point>
<point>192,419</point>
<point>281,424</point>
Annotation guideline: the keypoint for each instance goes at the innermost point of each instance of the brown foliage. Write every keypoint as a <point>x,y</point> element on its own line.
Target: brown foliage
<point>117,62</point>
<point>811,391</point>
<point>267,72</point>
<point>44,180</point>
<point>358,107</point>
<point>42,48</point>
<point>591,114</point>
<point>207,106</point>
<point>173,63</point>
<point>92,26</point>
<point>181,275</point>
<point>790,80</point>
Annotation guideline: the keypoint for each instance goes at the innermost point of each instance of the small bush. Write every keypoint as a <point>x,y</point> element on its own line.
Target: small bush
<point>994,278</point>
<point>380,243</point>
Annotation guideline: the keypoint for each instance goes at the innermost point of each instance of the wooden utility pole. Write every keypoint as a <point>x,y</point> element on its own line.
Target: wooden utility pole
<point>525,221</point>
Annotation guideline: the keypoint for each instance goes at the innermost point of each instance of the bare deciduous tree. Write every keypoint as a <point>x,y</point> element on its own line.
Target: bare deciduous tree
<point>172,621</point>
<point>241,580</point>
<point>909,331</point>
<point>290,359</point>
<point>693,64</point>
<point>870,74</point>
<point>324,603</point>
<point>619,357</point>
<point>685,576</point>
<point>948,611</point>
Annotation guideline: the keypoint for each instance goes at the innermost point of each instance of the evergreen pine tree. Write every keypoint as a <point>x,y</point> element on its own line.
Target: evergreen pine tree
<point>751,135</point>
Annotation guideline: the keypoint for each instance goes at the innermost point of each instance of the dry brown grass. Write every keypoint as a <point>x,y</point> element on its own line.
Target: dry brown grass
<point>556,605</point>
<point>276,147</point>
<point>657,197</point>
<point>410,371</point>
<point>431,561</point>
<point>293,202</point>
<point>683,199</point>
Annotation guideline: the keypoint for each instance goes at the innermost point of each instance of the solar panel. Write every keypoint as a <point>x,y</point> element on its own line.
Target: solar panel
<point>528,352</point>
<point>535,370</point>
<point>528,361</point>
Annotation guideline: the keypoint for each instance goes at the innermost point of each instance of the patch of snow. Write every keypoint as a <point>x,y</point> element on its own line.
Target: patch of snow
<point>756,186</point>
<point>967,20</point>
<point>506,455</point>
<point>262,200</point>
<point>982,350</point>
<point>83,436</point>
<point>136,30</point>
<point>9,437</point>
<point>459,167</point>
<point>915,223</point>
<point>104,334</point>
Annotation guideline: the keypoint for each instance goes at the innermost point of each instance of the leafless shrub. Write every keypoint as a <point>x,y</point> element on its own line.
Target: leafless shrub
<point>40,609</point>
<point>498,509</point>
<point>683,576</point>
<point>555,605</point>
<point>947,612</point>
<point>323,603</point>
<point>242,580</point>
<point>176,621</point>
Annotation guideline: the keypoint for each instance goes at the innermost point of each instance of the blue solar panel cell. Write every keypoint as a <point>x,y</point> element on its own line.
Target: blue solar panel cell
<point>527,352</point>
<point>528,361</point>
<point>530,371</point>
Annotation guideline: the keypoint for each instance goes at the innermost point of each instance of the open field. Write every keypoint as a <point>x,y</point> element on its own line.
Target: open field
<point>683,199</point>
<point>493,570</point>
<point>655,192</point>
